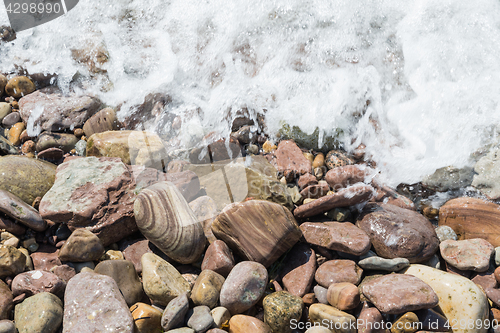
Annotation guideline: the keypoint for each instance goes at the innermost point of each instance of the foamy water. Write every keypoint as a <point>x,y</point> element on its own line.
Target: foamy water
<point>417,81</point>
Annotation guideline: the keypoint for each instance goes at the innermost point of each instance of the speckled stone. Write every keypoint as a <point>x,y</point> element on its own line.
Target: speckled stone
<point>336,158</point>
<point>207,288</point>
<point>459,298</point>
<point>12,261</point>
<point>147,319</point>
<point>81,246</point>
<point>41,313</point>
<point>280,308</point>
<point>378,263</point>
<point>445,232</point>
<point>321,313</point>
<point>344,296</point>
<point>246,324</point>
<point>19,86</point>
<point>469,254</point>
<point>335,271</point>
<point>174,313</point>
<point>218,258</point>
<point>199,318</point>
<point>298,271</point>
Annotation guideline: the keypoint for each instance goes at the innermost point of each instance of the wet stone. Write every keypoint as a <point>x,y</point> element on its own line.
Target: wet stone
<point>290,160</point>
<point>218,258</point>
<point>280,308</point>
<point>378,263</point>
<point>445,232</point>
<point>147,319</point>
<point>199,318</point>
<point>298,271</point>
<point>11,119</point>
<point>174,313</point>
<point>335,271</point>
<point>335,159</point>
<point>306,180</point>
<point>19,86</point>
<point>18,210</point>
<point>470,254</point>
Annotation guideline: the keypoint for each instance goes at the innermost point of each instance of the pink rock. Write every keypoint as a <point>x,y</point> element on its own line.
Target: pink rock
<point>65,272</point>
<point>370,319</point>
<point>306,180</point>
<point>34,282</point>
<point>346,175</point>
<point>485,280</point>
<point>133,251</point>
<point>336,271</point>
<point>299,269</point>
<point>315,191</point>
<point>290,160</point>
<point>218,258</point>
<point>468,254</point>
<point>45,258</point>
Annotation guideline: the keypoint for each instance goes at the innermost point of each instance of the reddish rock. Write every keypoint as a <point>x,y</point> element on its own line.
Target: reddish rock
<point>11,226</point>
<point>45,258</point>
<point>315,191</point>
<point>346,197</point>
<point>290,160</point>
<point>306,180</point>
<point>309,299</point>
<point>485,280</point>
<point>450,269</point>
<point>494,295</point>
<point>469,254</point>
<point>336,271</point>
<point>52,155</point>
<point>37,281</point>
<point>133,251</point>
<point>343,237</point>
<point>398,233</point>
<point>6,301</point>
<point>346,175</point>
<point>65,272</point>
<point>497,274</point>
<point>344,296</point>
<point>398,293</point>
<point>298,271</point>
<point>370,321</point>
<point>218,258</point>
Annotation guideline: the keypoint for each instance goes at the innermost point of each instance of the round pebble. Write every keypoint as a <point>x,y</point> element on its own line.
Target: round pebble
<point>445,232</point>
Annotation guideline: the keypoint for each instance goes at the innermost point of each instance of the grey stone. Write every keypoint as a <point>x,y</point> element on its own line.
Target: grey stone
<point>378,263</point>
<point>6,147</point>
<point>174,313</point>
<point>7,326</point>
<point>63,141</point>
<point>5,109</point>
<point>11,119</point>
<point>497,256</point>
<point>445,232</point>
<point>320,294</point>
<point>17,209</point>
<point>487,179</point>
<point>81,147</point>
<point>200,319</point>
<point>449,178</point>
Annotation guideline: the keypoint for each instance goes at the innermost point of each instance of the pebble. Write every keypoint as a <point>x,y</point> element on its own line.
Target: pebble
<point>7,326</point>
<point>389,265</point>
<point>28,147</point>
<point>11,226</point>
<point>81,246</point>
<point>161,281</point>
<point>12,261</point>
<point>87,266</point>
<point>315,191</point>
<point>93,303</point>
<point>298,270</point>
<point>175,312</point>
<point>9,239</point>
<point>41,313</point>
<point>497,256</point>
<point>133,251</point>
<point>17,209</point>
<point>469,254</point>
<point>370,321</point>
<point>199,318</point>
<point>113,255</point>
<point>290,161</point>
<point>81,148</point>
<point>280,308</point>
<point>243,287</point>
<point>19,86</point>
<point>321,314</point>
<point>221,316</point>
<point>15,132</point>
<point>207,288</point>
<point>218,258</point>
<point>318,329</point>
<point>5,109</point>
<point>147,319</point>
<point>103,121</point>
<point>406,323</point>
<point>335,271</point>
<point>37,281</point>
<point>6,301</point>
<point>344,296</point>
<point>398,293</point>
<point>182,330</point>
<point>319,161</point>
<point>321,294</point>
<point>246,324</point>
<point>432,321</point>
<point>205,210</point>
<point>306,180</point>
<point>45,258</point>
<point>268,147</point>
<point>445,232</point>
<point>335,159</point>
<point>63,141</point>
<point>343,176</point>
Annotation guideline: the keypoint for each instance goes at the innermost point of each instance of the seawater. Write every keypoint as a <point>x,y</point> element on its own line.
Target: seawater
<point>418,82</point>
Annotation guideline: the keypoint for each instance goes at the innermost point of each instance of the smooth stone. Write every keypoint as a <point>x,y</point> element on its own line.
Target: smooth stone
<point>93,303</point>
<point>406,323</point>
<point>280,308</point>
<point>15,133</point>
<point>17,209</point>
<point>306,180</point>
<point>497,256</point>
<point>133,251</point>
<point>5,109</point>
<point>12,261</point>
<point>432,321</point>
<point>81,148</point>
<point>181,330</point>
<point>459,298</point>
<point>245,324</point>
<point>298,270</point>
<point>11,119</point>
<point>207,288</point>
<point>216,330</point>
<point>290,160</point>
<point>63,141</point>
<point>7,326</point>
<point>398,293</point>
<point>12,226</point>
<point>103,121</point>
<point>161,281</point>
<point>6,147</point>
<point>469,254</point>
<point>445,232</point>
<point>321,294</point>
<point>200,319</point>
<point>175,312</point>
<point>449,178</point>
<point>398,233</point>
<point>6,301</point>
<point>218,258</point>
<point>65,272</point>
<point>344,237</point>
<point>487,177</point>
<point>318,329</point>
<point>245,229</point>
<point>37,281</point>
<point>243,287</point>
<point>319,161</point>
<point>26,177</point>
<point>335,159</point>
<point>336,271</point>
<point>370,321</point>
<point>45,258</point>
<point>19,86</point>
<point>123,272</point>
<point>205,210</point>
<point>147,319</point>
<point>344,296</point>
<point>113,255</point>
<point>350,196</point>
<point>315,191</point>
<point>378,263</point>
<point>221,316</point>
<point>52,155</point>
<point>343,176</point>
<point>485,280</point>
<point>336,319</point>
<point>81,246</point>
<point>41,313</point>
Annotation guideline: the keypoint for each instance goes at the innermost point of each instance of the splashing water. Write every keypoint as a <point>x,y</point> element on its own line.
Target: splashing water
<point>417,81</point>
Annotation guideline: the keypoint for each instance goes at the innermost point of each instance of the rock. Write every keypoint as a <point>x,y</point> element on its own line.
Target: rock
<point>245,135</point>
<point>472,218</point>
<point>243,287</point>
<point>341,322</point>
<point>218,258</point>
<point>371,321</point>
<point>81,148</point>
<point>15,133</point>
<point>133,251</point>
<point>298,271</point>
<point>343,176</point>
<point>335,159</point>
<point>41,313</point>
<point>174,313</point>
<point>19,86</point>
<point>165,218</point>
<point>221,316</point>
<point>47,140</point>
<point>315,191</point>
<point>245,229</point>
<point>398,233</point>
<point>114,255</point>
<point>17,209</point>
<point>321,294</point>
<point>306,180</point>
<point>6,301</point>
<point>5,109</point>
<point>459,298</point>
<point>182,330</point>
<point>336,271</point>
<point>207,288</point>
<point>65,272</point>
<point>445,232</point>
<point>28,147</point>
<point>147,319</point>
<point>26,177</point>
<point>7,326</point>
<point>200,319</point>
<point>161,281</point>
<point>103,121</point>
<point>449,178</point>
<point>123,272</point>
<point>216,150</point>
<point>3,80</point>
<point>11,226</point>
<point>406,323</point>
<point>290,161</point>
<point>52,155</point>
<point>37,281</point>
<point>346,197</point>
<point>487,177</point>
<point>205,210</point>
<point>216,330</point>
<point>319,161</point>
<point>344,237</point>
<point>60,112</point>
<point>93,303</point>
<point>45,258</point>
<point>12,261</point>
<point>344,296</point>
<point>11,119</point>
<point>398,293</point>
<point>382,264</point>
<point>485,280</point>
<point>81,246</point>
<point>469,254</point>
<point>133,147</point>
<point>244,324</point>
<point>7,148</point>
<point>280,308</point>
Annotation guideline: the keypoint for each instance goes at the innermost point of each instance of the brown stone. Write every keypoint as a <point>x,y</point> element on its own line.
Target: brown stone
<point>346,175</point>
<point>65,272</point>
<point>306,180</point>
<point>218,258</point>
<point>298,271</point>
<point>315,191</point>
<point>290,160</point>
<point>133,251</point>
<point>485,280</point>
<point>11,226</point>
<point>336,271</point>
<point>343,237</point>
<point>346,197</point>
<point>147,319</point>
<point>468,254</point>
<point>15,133</point>
<point>309,299</point>
<point>207,288</point>
<point>472,218</point>
<point>406,323</point>
<point>102,121</point>
<point>52,155</point>
<point>6,301</point>
<point>398,293</point>
<point>344,296</point>
<point>19,86</point>
<point>45,258</point>
<point>81,246</point>
<point>37,281</point>
<point>370,320</point>
<point>246,324</point>
<point>398,233</point>
<point>215,151</point>
<point>245,227</point>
